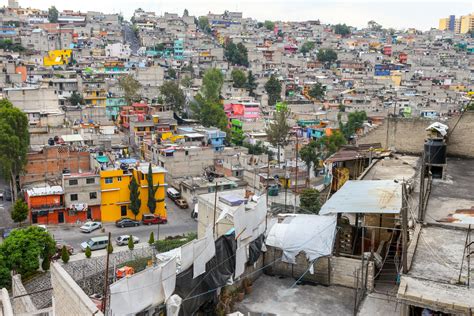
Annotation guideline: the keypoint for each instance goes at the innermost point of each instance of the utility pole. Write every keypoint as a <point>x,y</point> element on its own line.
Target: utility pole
<point>215,210</point>
<point>296,174</point>
<point>106,286</point>
<point>404,228</point>
<point>268,176</point>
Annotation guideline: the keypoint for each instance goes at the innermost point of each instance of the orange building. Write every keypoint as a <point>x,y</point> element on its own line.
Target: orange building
<point>46,204</point>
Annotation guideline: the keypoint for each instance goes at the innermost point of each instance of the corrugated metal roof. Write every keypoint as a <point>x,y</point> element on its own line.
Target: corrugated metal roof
<point>366,196</point>
<point>39,191</point>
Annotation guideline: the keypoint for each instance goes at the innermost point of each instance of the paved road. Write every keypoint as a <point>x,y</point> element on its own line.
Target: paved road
<point>130,37</point>
<point>5,216</point>
<point>179,222</point>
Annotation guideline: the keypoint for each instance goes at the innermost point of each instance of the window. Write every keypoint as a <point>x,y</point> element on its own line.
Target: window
<point>93,195</point>
<point>73,182</point>
<point>119,179</point>
<point>123,210</point>
<point>90,180</point>
<point>109,180</point>
<point>73,197</point>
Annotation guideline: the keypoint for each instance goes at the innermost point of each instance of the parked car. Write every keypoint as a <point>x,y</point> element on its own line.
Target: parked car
<point>90,227</point>
<point>149,219</point>
<point>173,194</point>
<point>123,240</point>
<point>96,243</point>
<point>181,203</point>
<point>126,222</point>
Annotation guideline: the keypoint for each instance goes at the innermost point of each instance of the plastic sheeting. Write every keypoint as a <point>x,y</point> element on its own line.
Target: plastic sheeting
<point>173,305</point>
<point>202,290</point>
<point>312,234</point>
<point>204,249</point>
<point>168,276</point>
<point>240,260</point>
<point>439,127</point>
<point>250,224</point>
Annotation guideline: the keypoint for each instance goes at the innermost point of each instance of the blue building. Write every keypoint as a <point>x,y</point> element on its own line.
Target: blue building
<point>178,49</point>
<point>315,133</point>
<point>452,21</point>
<point>214,137</point>
<point>113,106</point>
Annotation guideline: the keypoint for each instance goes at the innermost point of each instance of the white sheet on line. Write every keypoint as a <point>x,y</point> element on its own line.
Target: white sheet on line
<point>173,305</point>
<point>250,224</point>
<point>240,260</point>
<point>131,295</point>
<point>187,255</point>
<point>201,258</point>
<point>313,234</point>
<point>168,276</point>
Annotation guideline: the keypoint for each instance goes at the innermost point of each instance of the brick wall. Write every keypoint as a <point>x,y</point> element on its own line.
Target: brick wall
<point>342,269</point>
<point>407,135</point>
<point>68,297</point>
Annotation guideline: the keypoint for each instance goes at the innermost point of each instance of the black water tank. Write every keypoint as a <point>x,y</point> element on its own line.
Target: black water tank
<point>435,151</point>
<point>51,142</point>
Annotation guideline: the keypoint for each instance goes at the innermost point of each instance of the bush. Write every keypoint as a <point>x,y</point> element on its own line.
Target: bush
<point>110,248</point>
<point>64,255</point>
<point>45,264</point>
<point>172,243</point>
<point>151,240</point>
<point>131,245</point>
<point>88,252</point>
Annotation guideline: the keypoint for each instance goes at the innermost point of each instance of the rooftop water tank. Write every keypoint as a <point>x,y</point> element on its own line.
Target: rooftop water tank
<point>435,151</point>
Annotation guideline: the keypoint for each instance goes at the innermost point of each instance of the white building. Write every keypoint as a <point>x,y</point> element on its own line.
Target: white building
<point>118,50</point>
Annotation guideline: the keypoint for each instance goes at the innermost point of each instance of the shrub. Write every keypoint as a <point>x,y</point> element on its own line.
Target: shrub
<point>45,264</point>
<point>64,255</point>
<point>110,248</point>
<point>88,252</point>
<point>151,240</point>
<point>131,245</point>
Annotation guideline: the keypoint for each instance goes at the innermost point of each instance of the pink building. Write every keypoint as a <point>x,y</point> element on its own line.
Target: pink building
<point>247,111</point>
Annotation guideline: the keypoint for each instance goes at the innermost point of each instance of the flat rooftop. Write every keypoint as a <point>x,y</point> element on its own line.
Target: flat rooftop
<point>394,168</point>
<point>275,296</point>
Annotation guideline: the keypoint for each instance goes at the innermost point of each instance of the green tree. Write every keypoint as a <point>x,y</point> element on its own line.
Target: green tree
<point>342,29</point>
<point>278,129</point>
<point>273,88</point>
<point>212,83</point>
<point>355,120</point>
<point>317,91</point>
<point>131,244</point>
<point>8,45</point>
<point>309,200</point>
<point>64,255</point>
<point>20,211</point>
<point>53,14</point>
<point>203,24</point>
<point>236,54</point>
<point>256,149</point>
<point>186,12</point>
<point>173,96</point>
<point>269,25</point>
<point>327,55</point>
<point>251,84</point>
<point>45,265</point>
<point>328,145</point>
<point>374,26</point>
<point>307,47</point>
<point>110,248</point>
<point>135,201</point>
<point>14,142</point>
<point>151,240</point>
<point>238,137</point>
<point>130,88</point>
<point>186,82</point>
<point>75,98</point>
<point>5,277</point>
<point>171,73</point>
<point>88,252</point>
<point>239,78</point>
<point>152,188</point>
<point>310,155</point>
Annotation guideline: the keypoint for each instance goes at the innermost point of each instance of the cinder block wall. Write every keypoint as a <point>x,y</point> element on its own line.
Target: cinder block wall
<point>342,270</point>
<point>407,135</point>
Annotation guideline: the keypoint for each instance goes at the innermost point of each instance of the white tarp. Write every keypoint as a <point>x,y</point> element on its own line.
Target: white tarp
<point>173,304</point>
<point>131,295</point>
<point>439,127</point>
<point>204,250</point>
<point>240,260</point>
<point>249,224</point>
<point>168,276</point>
<point>313,234</point>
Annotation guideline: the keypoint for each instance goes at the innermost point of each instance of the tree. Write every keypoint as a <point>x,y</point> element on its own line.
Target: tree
<point>186,12</point>
<point>236,54</point>
<point>46,264</point>
<point>355,120</point>
<point>269,25</point>
<point>278,129</point>
<point>152,188</point>
<point>64,254</point>
<point>75,98</point>
<point>256,149</point>
<point>238,137</point>
<point>310,155</point>
<point>239,78</point>
<point>130,88</point>
<point>53,14</point>
<point>307,47</point>
<point>317,91</point>
<point>171,73</point>
<point>342,29</point>
<point>273,88</point>
<point>151,240</point>
<point>212,83</point>
<point>135,202</point>
<point>327,55</point>
<point>20,211</point>
<point>173,96</point>
<point>8,45</point>
<point>14,143</point>
<point>110,248</point>
<point>328,145</point>
<point>131,243</point>
<point>374,26</point>
<point>251,84</point>
<point>203,24</point>
<point>5,274</point>
<point>186,82</point>
<point>309,200</point>
<point>88,252</point>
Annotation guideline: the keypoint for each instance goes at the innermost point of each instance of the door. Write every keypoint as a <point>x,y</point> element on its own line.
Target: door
<point>60,217</point>
<point>34,217</point>
<point>89,213</point>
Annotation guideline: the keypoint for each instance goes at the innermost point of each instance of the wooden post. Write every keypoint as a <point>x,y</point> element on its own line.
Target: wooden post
<point>268,176</point>
<point>106,283</point>
<point>404,229</point>
<point>296,174</point>
<point>362,254</point>
<point>421,197</point>
<point>215,210</point>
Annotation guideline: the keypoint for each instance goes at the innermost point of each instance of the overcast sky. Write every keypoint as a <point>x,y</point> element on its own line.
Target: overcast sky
<point>421,14</point>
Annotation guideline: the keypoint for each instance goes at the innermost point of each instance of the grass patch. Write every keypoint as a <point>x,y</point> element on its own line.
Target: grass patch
<point>137,264</point>
<point>174,242</point>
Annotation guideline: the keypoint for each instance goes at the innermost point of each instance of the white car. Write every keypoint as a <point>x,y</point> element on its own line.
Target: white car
<point>123,240</point>
<point>90,227</point>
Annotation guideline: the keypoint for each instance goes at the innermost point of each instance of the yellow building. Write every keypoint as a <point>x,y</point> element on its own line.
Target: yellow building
<point>443,24</point>
<point>57,57</point>
<point>467,23</point>
<point>116,194</point>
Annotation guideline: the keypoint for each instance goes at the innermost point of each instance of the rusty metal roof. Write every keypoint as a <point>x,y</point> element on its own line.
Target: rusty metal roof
<point>366,196</point>
<point>460,216</point>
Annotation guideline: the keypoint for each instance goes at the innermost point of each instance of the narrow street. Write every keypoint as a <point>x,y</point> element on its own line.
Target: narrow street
<point>130,37</point>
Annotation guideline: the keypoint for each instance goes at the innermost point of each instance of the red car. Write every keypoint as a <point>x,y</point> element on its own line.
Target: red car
<point>149,219</point>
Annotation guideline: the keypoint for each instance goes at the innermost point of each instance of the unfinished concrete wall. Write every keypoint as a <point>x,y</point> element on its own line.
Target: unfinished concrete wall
<point>24,304</point>
<point>342,270</point>
<point>408,135</point>
<point>6,305</point>
<point>69,298</point>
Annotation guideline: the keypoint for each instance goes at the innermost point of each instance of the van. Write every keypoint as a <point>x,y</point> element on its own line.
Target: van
<point>96,243</point>
<point>173,194</point>
<point>195,212</point>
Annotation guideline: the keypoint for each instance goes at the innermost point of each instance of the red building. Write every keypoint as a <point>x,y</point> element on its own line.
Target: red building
<point>403,57</point>
<point>46,204</point>
<point>387,50</point>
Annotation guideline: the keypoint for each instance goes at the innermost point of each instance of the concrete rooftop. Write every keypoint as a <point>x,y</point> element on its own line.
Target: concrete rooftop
<point>395,168</point>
